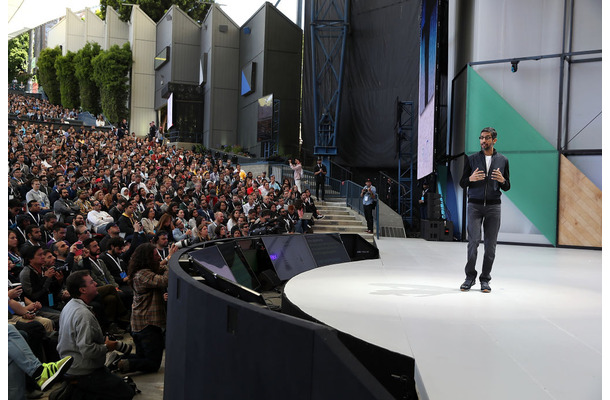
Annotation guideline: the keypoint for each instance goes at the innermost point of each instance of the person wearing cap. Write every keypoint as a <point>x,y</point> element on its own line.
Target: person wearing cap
<point>369,195</point>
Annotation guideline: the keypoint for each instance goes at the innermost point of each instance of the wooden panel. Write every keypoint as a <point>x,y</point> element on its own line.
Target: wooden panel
<point>580,208</point>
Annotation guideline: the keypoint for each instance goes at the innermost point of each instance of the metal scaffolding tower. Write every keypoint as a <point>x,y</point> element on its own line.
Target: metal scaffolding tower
<point>406,159</point>
<point>329,25</point>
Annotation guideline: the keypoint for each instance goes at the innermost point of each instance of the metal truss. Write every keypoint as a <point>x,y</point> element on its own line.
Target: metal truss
<point>406,159</point>
<point>329,25</point>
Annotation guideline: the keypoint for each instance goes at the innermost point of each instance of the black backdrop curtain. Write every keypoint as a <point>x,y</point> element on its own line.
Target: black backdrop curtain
<point>382,64</point>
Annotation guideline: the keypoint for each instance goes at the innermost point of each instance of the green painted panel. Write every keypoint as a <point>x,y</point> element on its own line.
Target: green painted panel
<point>533,161</point>
<point>485,107</point>
<point>533,178</point>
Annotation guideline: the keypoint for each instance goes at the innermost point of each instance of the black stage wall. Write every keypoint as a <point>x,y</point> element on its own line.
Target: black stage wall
<point>219,347</point>
<point>382,63</point>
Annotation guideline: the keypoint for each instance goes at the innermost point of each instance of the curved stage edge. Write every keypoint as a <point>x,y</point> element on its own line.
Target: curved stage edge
<point>536,335</point>
<point>223,343</point>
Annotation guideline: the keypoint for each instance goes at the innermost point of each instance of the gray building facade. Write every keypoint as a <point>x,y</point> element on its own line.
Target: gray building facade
<point>271,48</point>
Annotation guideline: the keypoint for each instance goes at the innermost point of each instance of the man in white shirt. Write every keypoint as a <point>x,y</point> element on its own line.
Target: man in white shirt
<point>39,196</point>
<point>98,219</point>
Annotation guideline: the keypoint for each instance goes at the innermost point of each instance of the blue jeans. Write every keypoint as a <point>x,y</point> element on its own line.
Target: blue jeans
<point>150,343</point>
<point>21,361</point>
<point>489,217</point>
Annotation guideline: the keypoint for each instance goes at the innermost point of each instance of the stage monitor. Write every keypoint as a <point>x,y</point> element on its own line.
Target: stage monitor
<point>289,254</point>
<point>327,249</point>
<point>210,264</point>
<point>211,259</point>
<point>238,265</point>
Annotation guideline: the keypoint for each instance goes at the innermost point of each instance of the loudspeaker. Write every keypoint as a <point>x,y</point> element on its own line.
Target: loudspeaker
<point>433,205</point>
<point>445,233</point>
<point>437,230</point>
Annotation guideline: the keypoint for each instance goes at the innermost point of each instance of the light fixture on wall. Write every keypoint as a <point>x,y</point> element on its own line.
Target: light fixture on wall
<point>514,66</point>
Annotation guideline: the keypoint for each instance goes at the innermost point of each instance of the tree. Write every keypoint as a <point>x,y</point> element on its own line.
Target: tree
<point>110,69</point>
<point>18,58</point>
<point>155,9</point>
<point>83,70</point>
<point>47,76</point>
<point>68,84</point>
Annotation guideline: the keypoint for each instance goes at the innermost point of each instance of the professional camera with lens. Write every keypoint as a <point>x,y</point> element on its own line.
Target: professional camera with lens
<point>183,243</point>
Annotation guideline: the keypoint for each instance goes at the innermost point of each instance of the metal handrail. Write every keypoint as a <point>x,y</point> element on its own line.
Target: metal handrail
<point>338,188</point>
<point>343,173</point>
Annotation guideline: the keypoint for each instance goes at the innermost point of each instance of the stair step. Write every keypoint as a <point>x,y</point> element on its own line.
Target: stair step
<point>343,229</point>
<point>327,222</point>
<point>334,217</point>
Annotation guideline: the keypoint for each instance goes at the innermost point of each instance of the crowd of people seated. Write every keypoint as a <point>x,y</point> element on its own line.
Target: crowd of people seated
<point>118,206</point>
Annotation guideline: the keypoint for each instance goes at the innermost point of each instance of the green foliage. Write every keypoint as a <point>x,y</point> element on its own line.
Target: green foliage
<point>110,69</point>
<point>68,85</point>
<point>83,70</point>
<point>47,75</point>
<point>155,9</point>
<point>199,149</point>
<point>18,58</point>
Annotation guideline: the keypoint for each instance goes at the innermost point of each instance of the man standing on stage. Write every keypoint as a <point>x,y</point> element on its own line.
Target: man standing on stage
<point>485,173</point>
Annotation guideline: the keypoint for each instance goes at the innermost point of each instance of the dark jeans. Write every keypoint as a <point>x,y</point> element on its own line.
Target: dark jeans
<point>101,384</point>
<point>150,343</point>
<point>489,217</point>
<point>318,184</point>
<point>368,215</point>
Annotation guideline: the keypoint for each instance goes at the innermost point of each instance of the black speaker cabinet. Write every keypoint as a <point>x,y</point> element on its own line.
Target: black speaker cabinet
<point>437,230</point>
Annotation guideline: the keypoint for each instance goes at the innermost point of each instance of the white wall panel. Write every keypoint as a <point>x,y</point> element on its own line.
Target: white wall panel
<point>75,33</point>
<point>117,31</point>
<point>94,28</point>
<point>57,34</point>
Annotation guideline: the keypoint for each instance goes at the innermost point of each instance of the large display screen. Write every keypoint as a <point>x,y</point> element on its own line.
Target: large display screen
<point>428,86</point>
<point>264,125</point>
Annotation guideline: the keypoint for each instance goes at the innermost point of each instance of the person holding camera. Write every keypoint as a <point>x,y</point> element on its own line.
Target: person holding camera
<point>181,232</point>
<point>369,196</point>
<point>298,172</point>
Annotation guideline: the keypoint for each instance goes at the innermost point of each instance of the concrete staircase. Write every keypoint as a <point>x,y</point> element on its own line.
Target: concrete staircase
<point>338,218</point>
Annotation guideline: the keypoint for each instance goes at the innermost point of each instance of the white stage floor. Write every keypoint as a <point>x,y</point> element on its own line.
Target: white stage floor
<point>537,335</point>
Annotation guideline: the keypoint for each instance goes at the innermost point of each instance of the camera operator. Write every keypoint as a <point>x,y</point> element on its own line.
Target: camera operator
<point>265,225</point>
<point>181,232</point>
<point>65,257</point>
<point>369,196</point>
<point>286,225</point>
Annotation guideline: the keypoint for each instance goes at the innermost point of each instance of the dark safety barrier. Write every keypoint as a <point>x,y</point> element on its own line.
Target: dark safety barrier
<point>219,346</point>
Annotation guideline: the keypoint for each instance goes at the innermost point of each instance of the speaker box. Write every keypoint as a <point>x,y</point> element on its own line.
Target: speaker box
<point>437,230</point>
<point>433,206</point>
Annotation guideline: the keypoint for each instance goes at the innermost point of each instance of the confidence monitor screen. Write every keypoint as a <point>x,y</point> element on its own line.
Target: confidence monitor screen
<point>211,259</point>
<point>327,249</point>
<point>289,254</point>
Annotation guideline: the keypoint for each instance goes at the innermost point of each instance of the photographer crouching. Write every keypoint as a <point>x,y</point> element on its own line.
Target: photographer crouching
<point>266,225</point>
